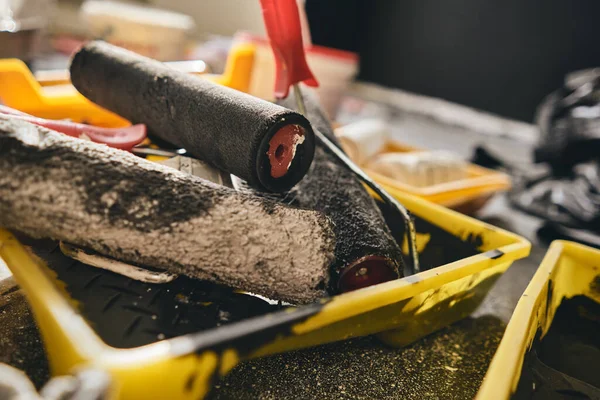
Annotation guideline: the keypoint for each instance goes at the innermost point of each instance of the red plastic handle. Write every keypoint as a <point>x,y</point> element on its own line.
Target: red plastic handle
<point>282,22</point>
<point>120,138</point>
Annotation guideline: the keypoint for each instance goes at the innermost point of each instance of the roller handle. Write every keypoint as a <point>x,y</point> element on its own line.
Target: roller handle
<point>282,22</point>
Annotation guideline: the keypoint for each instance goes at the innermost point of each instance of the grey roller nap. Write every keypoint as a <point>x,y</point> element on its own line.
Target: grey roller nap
<point>125,207</point>
<point>222,126</point>
<point>365,251</point>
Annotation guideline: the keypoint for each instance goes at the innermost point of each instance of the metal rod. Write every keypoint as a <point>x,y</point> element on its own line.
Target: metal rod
<point>148,151</point>
<point>94,259</point>
<point>411,232</point>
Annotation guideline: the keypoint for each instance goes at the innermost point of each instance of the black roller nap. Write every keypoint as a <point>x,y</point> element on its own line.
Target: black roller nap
<point>366,253</point>
<point>227,128</point>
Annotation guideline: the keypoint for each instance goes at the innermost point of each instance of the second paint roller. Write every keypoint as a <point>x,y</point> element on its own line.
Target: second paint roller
<point>267,145</point>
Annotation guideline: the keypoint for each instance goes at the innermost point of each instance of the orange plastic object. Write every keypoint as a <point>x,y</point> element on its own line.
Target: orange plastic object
<point>20,90</point>
<point>238,70</point>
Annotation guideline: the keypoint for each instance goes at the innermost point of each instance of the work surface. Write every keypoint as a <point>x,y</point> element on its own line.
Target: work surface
<point>449,364</point>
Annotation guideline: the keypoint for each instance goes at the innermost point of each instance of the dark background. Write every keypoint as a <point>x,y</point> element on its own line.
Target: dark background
<point>502,56</point>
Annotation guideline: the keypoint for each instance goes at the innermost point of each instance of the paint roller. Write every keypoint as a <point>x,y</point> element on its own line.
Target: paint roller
<point>267,145</point>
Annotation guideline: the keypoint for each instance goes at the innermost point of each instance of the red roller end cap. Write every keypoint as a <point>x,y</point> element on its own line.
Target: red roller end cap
<point>367,271</point>
<point>282,149</point>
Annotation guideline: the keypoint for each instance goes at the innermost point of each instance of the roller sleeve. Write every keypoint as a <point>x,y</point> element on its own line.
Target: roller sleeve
<point>269,146</point>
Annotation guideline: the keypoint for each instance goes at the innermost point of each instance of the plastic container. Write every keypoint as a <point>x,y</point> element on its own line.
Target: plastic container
<point>152,32</point>
<point>568,269</point>
<point>465,195</point>
<point>334,70</point>
<point>185,367</point>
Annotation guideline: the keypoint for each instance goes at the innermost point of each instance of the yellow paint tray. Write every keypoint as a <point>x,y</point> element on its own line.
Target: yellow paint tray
<point>185,366</point>
<point>465,195</point>
<point>569,271</point>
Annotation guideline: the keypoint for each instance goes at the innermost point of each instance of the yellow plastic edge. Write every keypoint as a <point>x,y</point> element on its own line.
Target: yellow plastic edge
<point>572,267</point>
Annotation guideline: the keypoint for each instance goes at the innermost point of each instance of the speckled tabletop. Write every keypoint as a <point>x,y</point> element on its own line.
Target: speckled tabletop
<point>449,364</point>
